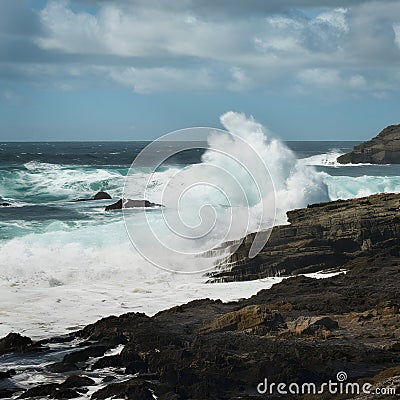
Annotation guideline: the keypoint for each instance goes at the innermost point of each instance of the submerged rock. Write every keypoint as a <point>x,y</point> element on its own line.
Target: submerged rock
<point>382,149</point>
<point>128,203</point>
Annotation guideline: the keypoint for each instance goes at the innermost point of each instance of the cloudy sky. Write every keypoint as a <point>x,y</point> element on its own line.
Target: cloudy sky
<point>136,69</point>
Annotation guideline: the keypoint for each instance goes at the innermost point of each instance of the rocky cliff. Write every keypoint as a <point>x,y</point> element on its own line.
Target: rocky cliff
<point>319,237</point>
<point>382,149</point>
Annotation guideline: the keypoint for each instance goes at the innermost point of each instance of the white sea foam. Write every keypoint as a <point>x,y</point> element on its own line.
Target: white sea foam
<point>40,182</point>
<point>346,187</point>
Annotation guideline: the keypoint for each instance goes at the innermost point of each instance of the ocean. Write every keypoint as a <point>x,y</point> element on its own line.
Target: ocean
<point>64,264</point>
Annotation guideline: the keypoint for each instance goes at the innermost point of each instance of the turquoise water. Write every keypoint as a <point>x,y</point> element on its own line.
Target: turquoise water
<point>39,180</point>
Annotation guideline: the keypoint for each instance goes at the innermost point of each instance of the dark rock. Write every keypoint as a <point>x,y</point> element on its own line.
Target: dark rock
<point>6,393</point>
<point>40,391</point>
<point>248,317</point>
<point>133,389</point>
<point>14,342</point>
<point>65,394</point>
<point>77,381</point>
<point>7,374</point>
<point>128,203</point>
<point>108,362</point>
<point>102,196</point>
<point>108,378</point>
<point>170,396</point>
<point>113,329</point>
<point>60,367</point>
<point>97,196</point>
<point>319,237</point>
<point>5,204</point>
<point>382,149</point>
<point>312,325</point>
<point>57,391</point>
<point>136,367</point>
<point>85,354</point>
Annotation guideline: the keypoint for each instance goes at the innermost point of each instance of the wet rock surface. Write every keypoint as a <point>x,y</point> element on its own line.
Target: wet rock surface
<point>14,342</point>
<point>319,237</point>
<point>128,203</point>
<point>382,149</point>
<point>301,330</point>
<point>97,196</point>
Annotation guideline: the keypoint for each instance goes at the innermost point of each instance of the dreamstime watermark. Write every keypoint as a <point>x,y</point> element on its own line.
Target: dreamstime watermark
<point>340,386</point>
<point>201,205</point>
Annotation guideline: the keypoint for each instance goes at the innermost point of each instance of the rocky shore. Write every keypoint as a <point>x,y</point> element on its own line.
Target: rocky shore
<point>382,149</point>
<point>301,330</point>
<point>319,237</point>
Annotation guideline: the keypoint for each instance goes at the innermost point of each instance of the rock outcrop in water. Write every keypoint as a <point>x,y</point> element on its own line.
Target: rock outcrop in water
<point>97,196</point>
<point>319,237</point>
<point>128,203</point>
<point>14,342</point>
<point>382,149</point>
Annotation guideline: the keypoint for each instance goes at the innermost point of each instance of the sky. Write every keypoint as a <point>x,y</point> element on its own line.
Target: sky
<point>137,69</point>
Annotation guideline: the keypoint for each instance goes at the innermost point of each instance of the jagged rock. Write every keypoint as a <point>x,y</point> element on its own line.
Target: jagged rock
<point>102,196</point>
<point>97,196</point>
<point>77,381</point>
<point>134,389</point>
<point>40,391</point>
<point>5,204</point>
<point>59,391</point>
<point>128,203</point>
<point>246,318</point>
<point>388,308</point>
<point>85,354</point>
<point>7,374</point>
<point>382,149</point>
<point>108,361</point>
<point>14,342</point>
<point>60,367</point>
<point>312,325</point>
<point>319,237</point>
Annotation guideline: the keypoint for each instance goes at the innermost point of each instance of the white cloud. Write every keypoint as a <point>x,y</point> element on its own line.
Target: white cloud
<point>335,18</point>
<point>150,45</point>
<point>240,80</point>
<point>146,80</point>
<point>396,29</point>
<point>320,77</point>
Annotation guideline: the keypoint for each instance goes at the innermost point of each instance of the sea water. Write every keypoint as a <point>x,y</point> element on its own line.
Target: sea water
<point>64,264</point>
